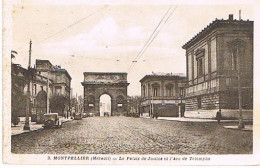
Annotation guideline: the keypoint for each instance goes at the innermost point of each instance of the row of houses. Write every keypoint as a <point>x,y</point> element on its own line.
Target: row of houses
<point>44,79</point>
<point>215,58</point>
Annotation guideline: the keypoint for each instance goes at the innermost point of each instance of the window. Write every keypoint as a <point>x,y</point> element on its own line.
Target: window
<point>156,89</point>
<point>199,102</point>
<point>200,67</point>
<point>182,94</point>
<point>144,91</point>
<point>234,59</point>
<point>200,61</point>
<point>169,90</point>
<point>237,49</point>
<point>58,90</point>
<point>155,92</point>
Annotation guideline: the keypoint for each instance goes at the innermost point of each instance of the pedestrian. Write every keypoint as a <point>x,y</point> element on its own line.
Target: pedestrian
<point>218,116</point>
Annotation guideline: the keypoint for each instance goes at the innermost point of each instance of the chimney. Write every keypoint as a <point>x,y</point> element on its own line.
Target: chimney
<point>230,17</point>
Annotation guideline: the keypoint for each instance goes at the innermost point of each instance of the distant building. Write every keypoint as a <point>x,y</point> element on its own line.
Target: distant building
<point>162,95</point>
<point>61,80</point>
<point>212,69</point>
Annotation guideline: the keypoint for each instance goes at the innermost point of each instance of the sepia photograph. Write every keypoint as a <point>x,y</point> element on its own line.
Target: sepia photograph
<point>129,82</point>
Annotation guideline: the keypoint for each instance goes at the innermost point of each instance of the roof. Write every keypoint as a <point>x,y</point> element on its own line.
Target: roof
<point>43,61</point>
<point>214,25</point>
<point>106,73</point>
<point>63,71</point>
<point>170,76</point>
<point>105,83</point>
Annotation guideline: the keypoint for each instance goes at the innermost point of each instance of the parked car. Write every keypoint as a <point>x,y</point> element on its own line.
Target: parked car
<point>106,114</point>
<point>77,116</point>
<point>51,120</point>
<point>84,115</point>
<point>91,115</point>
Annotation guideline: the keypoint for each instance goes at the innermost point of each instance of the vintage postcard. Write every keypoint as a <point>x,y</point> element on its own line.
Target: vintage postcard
<point>130,82</point>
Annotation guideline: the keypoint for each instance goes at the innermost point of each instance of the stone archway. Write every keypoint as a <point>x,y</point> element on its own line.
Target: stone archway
<point>113,84</point>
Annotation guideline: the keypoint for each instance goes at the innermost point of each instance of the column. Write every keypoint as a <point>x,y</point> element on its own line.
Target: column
<point>162,88</point>
<point>113,107</point>
<point>96,108</point>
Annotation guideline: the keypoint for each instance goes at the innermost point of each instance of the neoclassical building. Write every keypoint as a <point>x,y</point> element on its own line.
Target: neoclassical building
<point>44,79</point>
<point>163,94</point>
<point>213,58</point>
<point>38,92</point>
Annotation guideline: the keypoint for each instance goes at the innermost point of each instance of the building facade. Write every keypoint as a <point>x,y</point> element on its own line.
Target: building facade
<point>113,84</point>
<point>38,92</point>
<point>213,58</point>
<point>44,80</point>
<point>163,95</point>
<point>61,80</point>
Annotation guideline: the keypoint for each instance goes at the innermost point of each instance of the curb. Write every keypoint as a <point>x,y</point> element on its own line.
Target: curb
<point>34,129</point>
<point>28,131</point>
<point>198,121</point>
<point>236,128</point>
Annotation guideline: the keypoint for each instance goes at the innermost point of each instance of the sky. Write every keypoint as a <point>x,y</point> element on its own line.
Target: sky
<point>106,36</point>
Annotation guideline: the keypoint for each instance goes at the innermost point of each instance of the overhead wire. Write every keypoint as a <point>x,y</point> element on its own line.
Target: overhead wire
<point>140,54</point>
<point>60,31</point>
<point>157,26</point>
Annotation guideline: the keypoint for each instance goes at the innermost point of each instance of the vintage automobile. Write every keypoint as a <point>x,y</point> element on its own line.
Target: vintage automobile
<point>91,115</point>
<point>77,116</point>
<point>84,115</point>
<point>51,120</point>
<point>106,114</point>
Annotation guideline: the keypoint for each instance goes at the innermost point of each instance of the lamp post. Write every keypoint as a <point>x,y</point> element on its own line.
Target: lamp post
<point>28,100</point>
<point>47,91</point>
<point>181,103</point>
<point>241,122</point>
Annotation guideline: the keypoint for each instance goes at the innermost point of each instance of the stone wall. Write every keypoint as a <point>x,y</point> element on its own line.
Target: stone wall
<point>208,102</point>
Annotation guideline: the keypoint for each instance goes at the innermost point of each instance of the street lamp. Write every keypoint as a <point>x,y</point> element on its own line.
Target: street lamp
<point>28,100</point>
<point>241,122</point>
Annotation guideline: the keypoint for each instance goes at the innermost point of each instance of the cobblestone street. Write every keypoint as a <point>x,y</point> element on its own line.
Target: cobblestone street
<point>126,135</point>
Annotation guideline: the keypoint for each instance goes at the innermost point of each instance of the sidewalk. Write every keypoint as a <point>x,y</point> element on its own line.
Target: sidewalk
<point>15,130</point>
<point>247,127</point>
<point>194,120</point>
<point>183,119</point>
<point>200,120</point>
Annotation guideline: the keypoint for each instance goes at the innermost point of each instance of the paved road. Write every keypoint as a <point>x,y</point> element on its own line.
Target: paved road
<point>125,135</point>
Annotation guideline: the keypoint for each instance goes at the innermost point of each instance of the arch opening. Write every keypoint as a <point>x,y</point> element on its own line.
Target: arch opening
<point>105,104</point>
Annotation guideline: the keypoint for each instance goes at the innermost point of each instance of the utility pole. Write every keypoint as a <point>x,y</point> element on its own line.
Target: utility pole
<point>28,100</point>
<point>47,91</point>
<point>152,105</point>
<point>241,123</point>
<point>137,110</point>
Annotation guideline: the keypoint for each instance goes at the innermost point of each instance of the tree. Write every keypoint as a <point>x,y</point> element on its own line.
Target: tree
<point>58,104</point>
